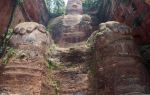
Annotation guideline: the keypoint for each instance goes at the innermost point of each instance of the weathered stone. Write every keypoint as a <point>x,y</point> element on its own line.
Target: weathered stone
<point>74,7</point>
<point>12,13</point>
<point>7,7</point>
<point>134,13</point>
<point>26,72</point>
<point>71,28</point>
<point>117,65</point>
<point>31,10</point>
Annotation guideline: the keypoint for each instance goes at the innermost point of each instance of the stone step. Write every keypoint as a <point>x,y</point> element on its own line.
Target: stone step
<point>23,67</point>
<point>14,73</point>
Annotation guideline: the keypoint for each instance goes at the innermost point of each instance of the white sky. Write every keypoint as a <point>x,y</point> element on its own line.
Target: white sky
<point>66,2</point>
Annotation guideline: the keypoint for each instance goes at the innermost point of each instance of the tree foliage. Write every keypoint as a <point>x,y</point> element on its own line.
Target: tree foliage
<point>55,7</point>
<point>90,5</point>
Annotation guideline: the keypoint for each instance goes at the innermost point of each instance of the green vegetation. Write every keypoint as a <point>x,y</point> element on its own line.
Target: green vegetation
<point>20,1</point>
<point>92,39</point>
<point>10,53</point>
<point>56,86</point>
<point>4,48</point>
<point>144,48</point>
<point>51,64</point>
<point>55,7</point>
<point>89,5</point>
<point>134,6</point>
<point>144,51</point>
<point>138,20</point>
<point>126,1</point>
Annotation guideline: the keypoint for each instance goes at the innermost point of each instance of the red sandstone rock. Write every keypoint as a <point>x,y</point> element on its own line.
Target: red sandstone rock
<point>117,64</point>
<point>26,72</point>
<point>134,13</point>
<point>7,7</point>
<point>28,10</point>
<point>31,10</point>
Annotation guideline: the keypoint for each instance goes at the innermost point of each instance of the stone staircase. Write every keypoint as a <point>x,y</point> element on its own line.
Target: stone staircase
<point>71,74</point>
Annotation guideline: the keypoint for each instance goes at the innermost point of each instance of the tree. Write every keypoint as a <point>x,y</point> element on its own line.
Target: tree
<point>55,7</point>
<point>90,5</point>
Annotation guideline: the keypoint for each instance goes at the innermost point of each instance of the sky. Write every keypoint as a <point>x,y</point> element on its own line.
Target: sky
<point>66,2</point>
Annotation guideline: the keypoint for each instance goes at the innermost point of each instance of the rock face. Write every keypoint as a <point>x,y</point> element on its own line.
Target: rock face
<point>13,13</point>
<point>73,27</point>
<point>72,74</point>
<point>31,10</point>
<point>134,13</point>
<point>7,8</point>
<point>26,72</point>
<point>117,66</point>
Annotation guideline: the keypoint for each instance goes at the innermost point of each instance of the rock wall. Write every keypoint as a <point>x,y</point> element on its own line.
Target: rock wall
<point>31,10</point>
<point>6,11</point>
<point>26,72</point>
<point>134,13</point>
<point>28,10</point>
<point>117,66</point>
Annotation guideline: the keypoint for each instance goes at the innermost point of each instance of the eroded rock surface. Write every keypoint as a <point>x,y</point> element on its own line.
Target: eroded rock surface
<point>26,71</point>
<point>31,10</point>
<point>71,71</point>
<point>7,7</point>
<point>134,13</point>
<point>117,66</point>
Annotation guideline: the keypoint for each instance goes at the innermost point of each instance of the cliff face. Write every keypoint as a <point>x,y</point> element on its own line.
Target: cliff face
<point>31,10</point>
<point>26,72</point>
<point>117,66</point>
<point>6,10</point>
<point>28,10</point>
<point>134,13</point>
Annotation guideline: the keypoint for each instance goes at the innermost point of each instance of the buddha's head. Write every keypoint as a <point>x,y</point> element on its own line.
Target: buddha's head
<point>74,7</point>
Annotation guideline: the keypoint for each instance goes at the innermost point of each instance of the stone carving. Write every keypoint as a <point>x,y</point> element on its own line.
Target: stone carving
<point>30,10</point>
<point>73,27</point>
<point>74,7</point>
<point>119,68</point>
<point>26,72</point>
<point>31,34</point>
